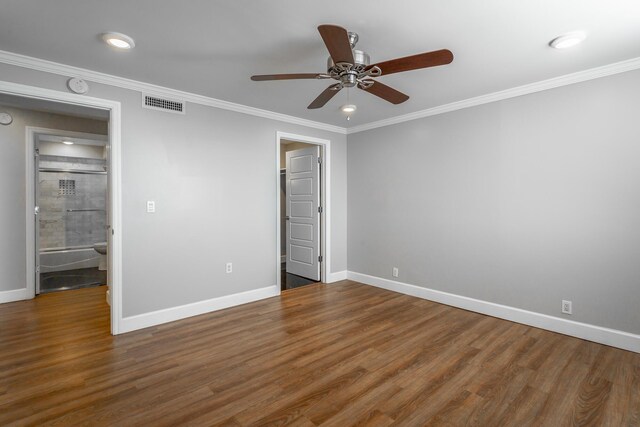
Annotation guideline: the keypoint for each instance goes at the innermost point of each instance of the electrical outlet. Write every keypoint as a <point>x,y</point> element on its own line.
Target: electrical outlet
<point>229,267</point>
<point>394,273</point>
<point>566,307</point>
<point>151,206</point>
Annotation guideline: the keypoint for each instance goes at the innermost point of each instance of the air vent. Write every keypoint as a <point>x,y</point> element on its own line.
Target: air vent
<point>163,104</point>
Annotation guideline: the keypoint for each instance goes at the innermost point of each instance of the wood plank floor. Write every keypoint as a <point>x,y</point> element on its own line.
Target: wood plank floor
<point>336,355</point>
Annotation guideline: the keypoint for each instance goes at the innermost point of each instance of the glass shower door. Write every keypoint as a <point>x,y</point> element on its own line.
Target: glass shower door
<point>71,220</point>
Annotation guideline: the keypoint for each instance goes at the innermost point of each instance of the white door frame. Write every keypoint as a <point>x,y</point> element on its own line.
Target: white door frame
<point>115,181</point>
<point>325,217</point>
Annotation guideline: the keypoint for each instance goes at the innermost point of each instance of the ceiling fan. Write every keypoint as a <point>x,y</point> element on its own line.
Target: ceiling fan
<point>351,67</point>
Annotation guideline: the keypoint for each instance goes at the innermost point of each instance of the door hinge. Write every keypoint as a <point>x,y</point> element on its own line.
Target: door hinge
<point>38,269</point>
<point>36,210</point>
<point>36,152</point>
<point>320,258</point>
<point>320,209</point>
<point>319,159</point>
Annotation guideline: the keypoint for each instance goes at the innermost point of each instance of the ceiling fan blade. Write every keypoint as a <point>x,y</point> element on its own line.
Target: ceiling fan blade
<point>385,92</point>
<point>415,62</point>
<point>337,41</point>
<point>325,96</point>
<point>264,77</point>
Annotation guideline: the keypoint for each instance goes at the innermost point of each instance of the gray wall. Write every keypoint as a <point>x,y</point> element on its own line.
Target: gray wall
<point>76,150</point>
<point>12,185</point>
<point>211,173</point>
<point>522,202</point>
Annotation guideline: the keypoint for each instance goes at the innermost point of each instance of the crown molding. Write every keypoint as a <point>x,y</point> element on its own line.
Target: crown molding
<point>124,83</point>
<point>37,64</point>
<point>568,79</point>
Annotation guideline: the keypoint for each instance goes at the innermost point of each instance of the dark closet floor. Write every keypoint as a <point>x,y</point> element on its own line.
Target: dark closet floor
<point>291,281</point>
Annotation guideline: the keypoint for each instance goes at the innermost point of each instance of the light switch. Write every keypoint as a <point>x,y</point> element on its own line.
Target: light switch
<point>151,206</point>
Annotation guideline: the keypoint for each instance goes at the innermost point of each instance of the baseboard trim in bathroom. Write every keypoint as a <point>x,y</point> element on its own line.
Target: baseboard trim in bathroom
<point>599,334</point>
<point>14,295</point>
<point>159,317</point>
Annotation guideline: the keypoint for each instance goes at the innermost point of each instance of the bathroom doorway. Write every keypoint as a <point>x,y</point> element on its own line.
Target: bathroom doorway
<point>31,110</point>
<point>71,206</point>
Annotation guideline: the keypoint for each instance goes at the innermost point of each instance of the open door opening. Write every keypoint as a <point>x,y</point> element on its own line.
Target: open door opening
<point>302,210</point>
<point>300,214</point>
<point>71,185</point>
<point>71,209</point>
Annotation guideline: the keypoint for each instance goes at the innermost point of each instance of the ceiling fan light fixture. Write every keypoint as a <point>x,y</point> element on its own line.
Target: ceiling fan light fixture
<point>119,40</point>
<point>348,109</point>
<point>568,40</point>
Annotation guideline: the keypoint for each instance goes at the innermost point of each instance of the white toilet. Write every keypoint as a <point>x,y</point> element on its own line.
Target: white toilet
<point>101,248</point>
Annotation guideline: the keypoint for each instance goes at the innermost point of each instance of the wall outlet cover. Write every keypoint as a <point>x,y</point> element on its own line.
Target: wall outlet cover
<point>567,307</point>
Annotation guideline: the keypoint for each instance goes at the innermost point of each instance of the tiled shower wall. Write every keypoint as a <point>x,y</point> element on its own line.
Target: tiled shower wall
<point>64,191</point>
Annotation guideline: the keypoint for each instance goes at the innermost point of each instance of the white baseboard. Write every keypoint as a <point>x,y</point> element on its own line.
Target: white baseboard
<point>154,318</point>
<point>612,337</point>
<point>14,295</point>
<point>337,276</point>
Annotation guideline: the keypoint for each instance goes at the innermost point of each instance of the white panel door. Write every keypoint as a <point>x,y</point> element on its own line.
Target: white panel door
<point>302,210</point>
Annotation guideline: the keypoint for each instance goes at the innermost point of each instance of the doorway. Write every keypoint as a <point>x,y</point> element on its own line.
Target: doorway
<point>71,205</point>
<point>56,102</point>
<point>303,210</point>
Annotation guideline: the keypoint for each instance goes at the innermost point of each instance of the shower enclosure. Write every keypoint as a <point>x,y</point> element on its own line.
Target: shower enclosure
<point>71,200</point>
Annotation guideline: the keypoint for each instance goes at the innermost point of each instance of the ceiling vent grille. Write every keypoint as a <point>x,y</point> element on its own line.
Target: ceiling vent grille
<point>163,104</point>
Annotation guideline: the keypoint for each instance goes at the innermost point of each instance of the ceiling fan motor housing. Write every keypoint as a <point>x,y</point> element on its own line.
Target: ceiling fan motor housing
<point>347,73</point>
<point>360,57</point>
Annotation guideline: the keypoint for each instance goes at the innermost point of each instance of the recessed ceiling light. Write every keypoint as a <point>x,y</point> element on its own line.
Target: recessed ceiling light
<point>350,108</point>
<point>67,142</point>
<point>568,40</point>
<point>119,40</point>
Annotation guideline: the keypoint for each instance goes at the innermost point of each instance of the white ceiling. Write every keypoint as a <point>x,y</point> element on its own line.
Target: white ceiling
<point>213,47</point>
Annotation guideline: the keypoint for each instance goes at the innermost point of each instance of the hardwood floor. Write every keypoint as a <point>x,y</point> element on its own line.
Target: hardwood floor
<point>335,355</point>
